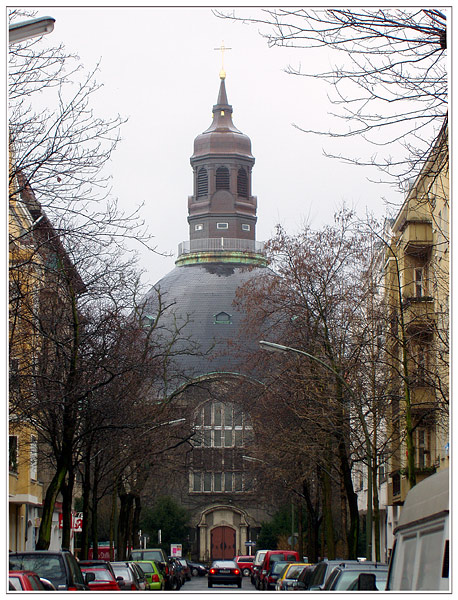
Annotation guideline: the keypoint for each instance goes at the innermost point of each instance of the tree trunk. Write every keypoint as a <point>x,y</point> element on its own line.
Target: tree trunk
<point>136,522</point>
<point>94,522</point>
<point>67,497</point>
<point>125,512</point>
<point>44,536</point>
<point>313,524</point>
<point>86,512</point>
<point>327,515</point>
<point>113,518</point>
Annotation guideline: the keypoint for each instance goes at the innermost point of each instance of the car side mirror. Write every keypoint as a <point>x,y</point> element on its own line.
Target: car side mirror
<point>47,584</point>
<point>88,577</point>
<point>366,581</point>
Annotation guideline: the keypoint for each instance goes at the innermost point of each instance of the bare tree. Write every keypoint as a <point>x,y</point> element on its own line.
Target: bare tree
<point>388,75</point>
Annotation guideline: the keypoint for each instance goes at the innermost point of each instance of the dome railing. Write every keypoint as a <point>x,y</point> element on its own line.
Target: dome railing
<point>221,244</point>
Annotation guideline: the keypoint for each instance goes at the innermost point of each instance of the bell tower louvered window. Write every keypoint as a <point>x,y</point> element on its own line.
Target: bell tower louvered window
<point>242,183</point>
<point>222,178</point>
<point>202,182</point>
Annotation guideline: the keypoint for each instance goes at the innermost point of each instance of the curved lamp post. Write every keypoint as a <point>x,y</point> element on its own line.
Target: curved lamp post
<point>20,32</point>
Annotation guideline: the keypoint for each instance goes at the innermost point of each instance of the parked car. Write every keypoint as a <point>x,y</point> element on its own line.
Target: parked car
<point>273,574</point>
<point>270,557</point>
<point>60,568</point>
<point>224,572</point>
<point>102,564</point>
<point>27,580</point>
<point>303,581</point>
<point>321,571</point>
<point>154,578</point>
<point>347,577</point>
<point>420,557</point>
<point>161,559</point>
<point>289,575</point>
<point>186,568</point>
<point>197,569</point>
<point>104,579</point>
<point>178,571</point>
<point>127,576</point>
<point>257,564</point>
<point>245,564</point>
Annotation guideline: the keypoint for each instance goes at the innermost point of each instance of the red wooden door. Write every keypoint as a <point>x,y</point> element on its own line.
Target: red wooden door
<point>222,543</point>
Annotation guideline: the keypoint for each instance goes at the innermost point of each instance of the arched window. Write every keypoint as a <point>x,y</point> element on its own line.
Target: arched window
<point>242,183</point>
<point>222,178</point>
<point>202,182</point>
<point>222,425</point>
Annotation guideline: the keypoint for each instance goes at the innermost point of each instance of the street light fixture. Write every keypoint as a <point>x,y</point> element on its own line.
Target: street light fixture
<point>19,32</point>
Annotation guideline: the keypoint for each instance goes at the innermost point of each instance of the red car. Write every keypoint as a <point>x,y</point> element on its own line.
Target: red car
<point>245,564</point>
<point>104,579</point>
<point>27,580</point>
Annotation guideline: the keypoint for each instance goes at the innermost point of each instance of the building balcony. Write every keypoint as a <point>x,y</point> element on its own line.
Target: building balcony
<point>221,244</point>
<point>398,484</point>
<point>417,237</point>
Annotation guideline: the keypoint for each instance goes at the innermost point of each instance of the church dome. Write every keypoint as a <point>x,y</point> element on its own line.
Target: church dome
<point>202,297</point>
<point>222,137</point>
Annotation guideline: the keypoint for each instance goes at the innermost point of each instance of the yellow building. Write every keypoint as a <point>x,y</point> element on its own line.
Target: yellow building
<point>417,284</point>
<point>25,492</point>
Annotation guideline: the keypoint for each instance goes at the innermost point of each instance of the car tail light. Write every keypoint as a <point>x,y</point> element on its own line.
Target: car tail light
<point>155,578</point>
<point>132,586</point>
<point>167,570</point>
<point>212,571</point>
<point>236,572</point>
<point>71,589</point>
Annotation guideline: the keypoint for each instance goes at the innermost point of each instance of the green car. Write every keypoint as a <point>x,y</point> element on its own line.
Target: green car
<point>154,578</point>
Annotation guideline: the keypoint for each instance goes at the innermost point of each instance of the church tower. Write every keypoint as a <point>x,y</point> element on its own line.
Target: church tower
<point>222,210</point>
<point>222,254</point>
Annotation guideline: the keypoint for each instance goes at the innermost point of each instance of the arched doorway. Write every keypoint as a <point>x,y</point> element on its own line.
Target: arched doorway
<point>223,543</point>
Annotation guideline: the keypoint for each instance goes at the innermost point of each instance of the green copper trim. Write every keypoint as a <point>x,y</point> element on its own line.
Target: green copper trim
<point>245,258</point>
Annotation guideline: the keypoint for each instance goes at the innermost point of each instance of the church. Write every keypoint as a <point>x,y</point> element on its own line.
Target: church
<point>221,255</point>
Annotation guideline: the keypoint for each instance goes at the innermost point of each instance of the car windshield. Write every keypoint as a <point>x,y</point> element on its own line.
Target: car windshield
<point>122,572</point>
<point>44,565</point>
<point>146,567</point>
<point>294,571</point>
<point>147,555</point>
<point>278,567</point>
<point>349,580</point>
<point>100,574</point>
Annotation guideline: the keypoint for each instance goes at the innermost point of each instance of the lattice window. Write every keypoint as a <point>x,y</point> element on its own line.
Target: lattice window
<point>202,182</point>
<point>222,178</point>
<point>242,183</point>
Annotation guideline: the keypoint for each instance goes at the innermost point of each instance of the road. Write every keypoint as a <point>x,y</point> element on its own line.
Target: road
<point>199,584</point>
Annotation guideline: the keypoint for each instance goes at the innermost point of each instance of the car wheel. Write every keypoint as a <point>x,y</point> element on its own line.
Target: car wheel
<point>195,572</point>
<point>246,572</point>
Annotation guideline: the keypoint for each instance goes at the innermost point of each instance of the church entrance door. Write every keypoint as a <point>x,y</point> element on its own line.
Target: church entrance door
<point>223,543</point>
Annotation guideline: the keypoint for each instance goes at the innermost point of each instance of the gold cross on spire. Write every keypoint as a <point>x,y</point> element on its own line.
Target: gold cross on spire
<point>222,73</point>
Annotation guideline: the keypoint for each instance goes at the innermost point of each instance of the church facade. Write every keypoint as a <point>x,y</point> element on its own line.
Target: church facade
<point>216,484</point>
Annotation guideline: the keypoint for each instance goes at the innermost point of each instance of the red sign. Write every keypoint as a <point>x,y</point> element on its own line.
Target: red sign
<point>77,521</point>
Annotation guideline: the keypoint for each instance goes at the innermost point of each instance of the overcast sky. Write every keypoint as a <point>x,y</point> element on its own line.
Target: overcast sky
<point>159,69</point>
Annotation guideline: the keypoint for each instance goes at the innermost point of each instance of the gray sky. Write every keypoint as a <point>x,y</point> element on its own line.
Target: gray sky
<point>160,70</point>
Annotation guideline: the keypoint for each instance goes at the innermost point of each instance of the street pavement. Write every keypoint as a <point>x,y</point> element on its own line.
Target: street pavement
<point>200,584</point>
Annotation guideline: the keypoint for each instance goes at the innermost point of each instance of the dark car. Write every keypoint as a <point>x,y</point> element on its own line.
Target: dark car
<point>178,571</point>
<point>322,570</point>
<point>20,581</point>
<point>161,559</point>
<point>303,581</point>
<point>186,568</point>
<point>60,568</point>
<point>273,574</point>
<point>224,572</point>
<point>197,569</point>
<point>127,576</point>
<point>345,578</point>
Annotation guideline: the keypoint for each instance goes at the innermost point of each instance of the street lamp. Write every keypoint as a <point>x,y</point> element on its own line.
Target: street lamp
<point>19,32</point>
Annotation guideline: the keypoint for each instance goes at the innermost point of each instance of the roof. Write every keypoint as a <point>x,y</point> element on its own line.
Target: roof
<point>428,498</point>
<point>203,296</point>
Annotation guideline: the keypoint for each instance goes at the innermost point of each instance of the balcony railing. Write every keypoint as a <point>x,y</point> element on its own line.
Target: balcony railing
<point>221,245</point>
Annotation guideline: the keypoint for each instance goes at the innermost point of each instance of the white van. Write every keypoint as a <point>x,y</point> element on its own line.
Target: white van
<point>257,564</point>
<point>420,558</point>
